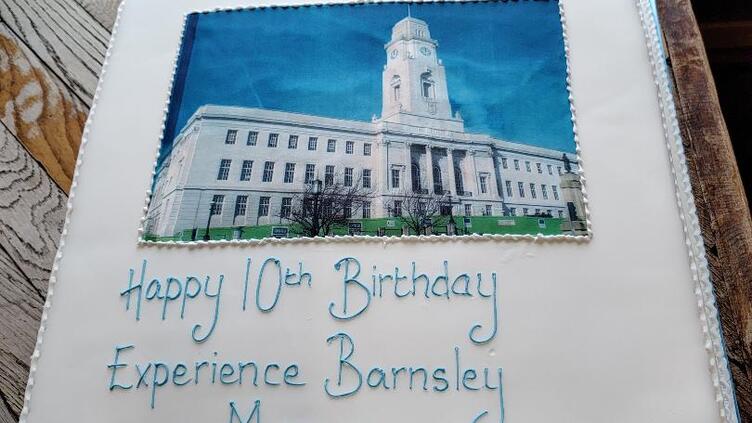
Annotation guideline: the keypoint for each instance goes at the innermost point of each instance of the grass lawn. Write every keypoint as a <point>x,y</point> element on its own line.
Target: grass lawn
<point>516,225</point>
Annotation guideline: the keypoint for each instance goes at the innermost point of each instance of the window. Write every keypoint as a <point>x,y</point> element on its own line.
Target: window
<point>550,169</point>
<point>289,172</point>
<point>292,142</point>
<point>426,89</point>
<point>458,182</point>
<point>415,168</point>
<point>395,178</point>
<point>349,147</point>
<point>329,175</point>
<point>347,210</point>
<point>263,209</point>
<point>224,169</point>
<point>286,208</point>
<point>331,145</point>
<point>527,166</point>
<point>513,211</point>
<point>509,188</point>
<point>483,184</point>
<point>395,83</point>
<point>366,178</point>
<point>438,184</point>
<point>544,191</point>
<point>241,202</point>
<point>366,210</point>
<point>533,194</point>
<point>397,208</point>
<point>273,139</point>
<point>252,137</point>
<point>268,172</point>
<point>468,209</point>
<point>555,191</point>
<point>216,204</point>
<point>232,135</point>
<point>488,210</point>
<point>426,84</point>
<point>309,172</point>
<point>245,171</point>
<point>516,164</point>
<point>524,211</point>
<point>537,212</point>
<point>548,212</point>
<point>539,167</point>
<point>558,169</point>
<point>312,143</point>
<point>560,213</point>
<point>504,163</point>
<point>348,176</point>
<point>521,189</point>
<point>367,149</point>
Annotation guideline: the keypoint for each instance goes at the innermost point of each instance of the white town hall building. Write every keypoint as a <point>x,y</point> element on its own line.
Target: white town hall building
<point>250,162</point>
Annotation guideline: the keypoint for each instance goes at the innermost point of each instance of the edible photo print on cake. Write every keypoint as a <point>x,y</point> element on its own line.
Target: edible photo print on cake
<point>380,119</point>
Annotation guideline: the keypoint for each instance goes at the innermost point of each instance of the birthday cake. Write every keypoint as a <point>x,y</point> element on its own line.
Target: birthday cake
<point>410,212</point>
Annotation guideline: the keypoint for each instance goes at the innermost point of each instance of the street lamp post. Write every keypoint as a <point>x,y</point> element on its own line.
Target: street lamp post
<point>207,237</point>
<point>316,185</point>
<point>451,225</point>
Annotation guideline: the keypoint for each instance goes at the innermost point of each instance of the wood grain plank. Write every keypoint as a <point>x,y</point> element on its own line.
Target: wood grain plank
<point>38,109</point>
<point>719,194</point>
<point>32,212</point>
<point>103,11</point>
<point>69,41</point>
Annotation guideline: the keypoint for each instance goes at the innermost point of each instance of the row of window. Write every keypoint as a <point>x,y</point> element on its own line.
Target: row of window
<point>264,203</point>
<point>289,176</point>
<point>241,208</point>
<point>292,142</point>
<point>528,166</point>
<point>533,190</point>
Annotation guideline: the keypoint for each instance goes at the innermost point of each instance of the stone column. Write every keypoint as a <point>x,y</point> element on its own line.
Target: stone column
<point>386,179</point>
<point>409,168</point>
<point>476,175</point>
<point>450,165</point>
<point>429,169</point>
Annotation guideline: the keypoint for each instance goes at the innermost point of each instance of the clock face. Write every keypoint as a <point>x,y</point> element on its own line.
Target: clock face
<point>394,54</point>
<point>426,51</point>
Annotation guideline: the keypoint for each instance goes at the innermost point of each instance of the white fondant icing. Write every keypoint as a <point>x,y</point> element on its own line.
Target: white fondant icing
<point>589,330</point>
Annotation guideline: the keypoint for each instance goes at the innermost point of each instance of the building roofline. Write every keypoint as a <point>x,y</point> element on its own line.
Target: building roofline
<point>302,120</point>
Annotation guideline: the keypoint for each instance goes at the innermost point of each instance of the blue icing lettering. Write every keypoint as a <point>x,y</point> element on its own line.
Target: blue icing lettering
<point>255,412</point>
<point>350,278</point>
<point>346,350</point>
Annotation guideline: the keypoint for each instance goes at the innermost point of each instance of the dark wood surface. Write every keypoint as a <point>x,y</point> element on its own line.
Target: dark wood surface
<point>719,195</point>
<point>51,52</point>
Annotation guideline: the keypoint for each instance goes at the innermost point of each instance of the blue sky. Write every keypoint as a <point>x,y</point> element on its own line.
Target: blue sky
<point>504,61</point>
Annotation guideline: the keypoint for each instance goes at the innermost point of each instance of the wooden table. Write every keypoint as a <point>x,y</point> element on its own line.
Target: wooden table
<point>51,52</point>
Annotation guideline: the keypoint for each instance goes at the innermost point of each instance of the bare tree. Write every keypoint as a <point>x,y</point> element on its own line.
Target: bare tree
<point>417,210</point>
<point>324,205</point>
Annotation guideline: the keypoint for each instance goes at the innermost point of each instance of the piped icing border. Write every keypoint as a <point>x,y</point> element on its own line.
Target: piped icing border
<point>711,325</point>
<point>69,211</point>
<point>366,238</point>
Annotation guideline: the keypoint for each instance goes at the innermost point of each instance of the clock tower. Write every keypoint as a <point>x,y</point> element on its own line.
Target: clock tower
<point>414,89</point>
